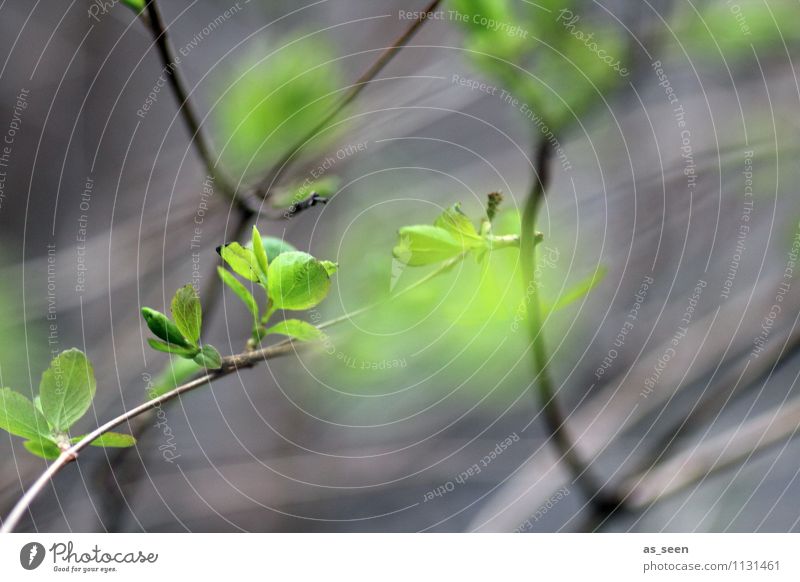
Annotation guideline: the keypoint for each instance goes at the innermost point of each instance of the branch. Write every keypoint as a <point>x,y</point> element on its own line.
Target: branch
<point>264,187</point>
<point>554,417</point>
<point>730,448</point>
<point>156,25</point>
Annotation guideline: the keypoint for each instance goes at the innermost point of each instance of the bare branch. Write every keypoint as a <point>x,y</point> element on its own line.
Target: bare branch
<point>554,417</point>
<point>156,25</point>
<point>730,448</point>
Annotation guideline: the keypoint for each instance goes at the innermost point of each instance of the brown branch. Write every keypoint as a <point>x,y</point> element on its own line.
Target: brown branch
<point>263,189</point>
<point>554,417</point>
<point>156,25</point>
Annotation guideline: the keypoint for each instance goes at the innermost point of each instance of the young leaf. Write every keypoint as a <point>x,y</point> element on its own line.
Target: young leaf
<point>37,403</point>
<point>297,281</point>
<point>67,389</point>
<point>425,245</point>
<point>110,439</point>
<point>456,223</point>
<point>43,448</point>
<point>181,351</point>
<point>162,327</point>
<point>242,260</point>
<point>209,358</point>
<point>330,267</point>
<point>187,313</point>
<point>297,329</point>
<point>135,5</point>
<point>260,254</point>
<point>276,246</point>
<point>20,417</point>
<point>241,291</point>
<point>580,289</point>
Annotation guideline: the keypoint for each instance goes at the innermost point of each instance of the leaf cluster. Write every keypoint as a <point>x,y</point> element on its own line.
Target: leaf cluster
<point>66,391</point>
<point>290,280</point>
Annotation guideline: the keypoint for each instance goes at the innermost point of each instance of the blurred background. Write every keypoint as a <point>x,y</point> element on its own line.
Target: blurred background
<point>672,189</point>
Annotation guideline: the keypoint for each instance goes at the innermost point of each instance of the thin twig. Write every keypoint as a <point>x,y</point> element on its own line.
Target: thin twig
<point>264,187</point>
<point>718,453</point>
<point>156,25</point>
<point>554,417</point>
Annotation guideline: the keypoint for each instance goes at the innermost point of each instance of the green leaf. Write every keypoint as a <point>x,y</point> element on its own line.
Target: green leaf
<point>67,389</point>
<point>297,329</point>
<point>425,245</point>
<point>459,225</point>
<point>187,313</point>
<point>260,254</point>
<point>162,327</point>
<point>175,373</point>
<point>135,5</point>
<point>43,448</point>
<point>242,260</point>
<point>581,289</point>
<point>297,281</point>
<point>276,246</point>
<point>241,291</point>
<point>181,351</point>
<point>209,358</point>
<point>37,403</point>
<point>20,417</point>
<point>330,267</point>
<point>115,440</point>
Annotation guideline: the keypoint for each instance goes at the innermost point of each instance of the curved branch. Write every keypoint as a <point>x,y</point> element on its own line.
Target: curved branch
<point>554,417</point>
<point>156,25</point>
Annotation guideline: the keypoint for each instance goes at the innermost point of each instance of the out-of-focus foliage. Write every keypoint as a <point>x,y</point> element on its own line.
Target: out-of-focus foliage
<point>20,342</point>
<point>475,311</point>
<point>548,54</point>
<point>270,102</point>
<point>735,30</point>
